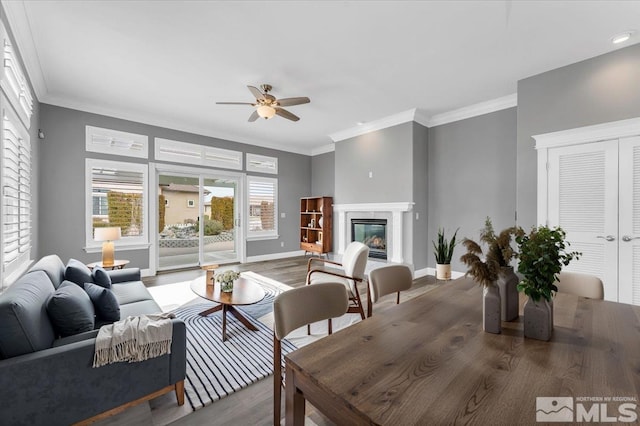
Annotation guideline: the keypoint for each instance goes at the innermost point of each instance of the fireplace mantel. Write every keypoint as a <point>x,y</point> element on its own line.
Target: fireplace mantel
<point>397,223</point>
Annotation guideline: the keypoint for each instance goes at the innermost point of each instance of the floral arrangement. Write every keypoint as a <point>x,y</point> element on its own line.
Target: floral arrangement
<point>227,277</point>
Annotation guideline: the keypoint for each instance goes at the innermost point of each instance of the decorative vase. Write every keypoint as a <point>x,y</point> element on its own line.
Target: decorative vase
<point>508,286</point>
<point>491,309</point>
<point>443,272</point>
<point>320,222</point>
<point>538,319</point>
<point>226,286</point>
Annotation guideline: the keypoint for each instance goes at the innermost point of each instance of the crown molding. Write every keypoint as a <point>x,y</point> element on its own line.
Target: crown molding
<point>421,118</point>
<point>167,124</point>
<point>372,126</point>
<point>20,28</point>
<point>323,149</point>
<point>475,110</point>
<point>597,132</point>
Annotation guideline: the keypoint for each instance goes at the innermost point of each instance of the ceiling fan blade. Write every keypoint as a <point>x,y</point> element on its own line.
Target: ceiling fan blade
<point>293,101</point>
<point>254,116</point>
<point>234,103</point>
<point>256,92</point>
<point>286,114</point>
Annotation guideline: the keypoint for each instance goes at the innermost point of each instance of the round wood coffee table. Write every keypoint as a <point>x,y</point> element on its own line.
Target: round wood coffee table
<point>245,292</point>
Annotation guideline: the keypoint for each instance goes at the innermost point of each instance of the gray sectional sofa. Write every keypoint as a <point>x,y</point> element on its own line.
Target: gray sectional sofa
<point>48,380</point>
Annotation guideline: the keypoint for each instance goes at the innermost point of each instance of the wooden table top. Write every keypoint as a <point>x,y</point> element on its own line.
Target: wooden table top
<point>428,361</point>
<point>117,264</point>
<point>245,292</point>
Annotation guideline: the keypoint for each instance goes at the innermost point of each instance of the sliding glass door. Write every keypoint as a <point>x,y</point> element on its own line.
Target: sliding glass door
<point>197,217</point>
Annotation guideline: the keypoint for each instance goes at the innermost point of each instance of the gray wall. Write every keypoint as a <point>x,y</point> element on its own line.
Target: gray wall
<point>62,184</point>
<point>599,90</point>
<point>387,153</point>
<point>35,149</point>
<point>421,242</point>
<point>472,175</point>
<point>323,179</point>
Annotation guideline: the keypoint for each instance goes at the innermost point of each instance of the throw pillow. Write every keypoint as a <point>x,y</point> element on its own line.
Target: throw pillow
<point>70,310</point>
<point>77,272</point>
<point>104,301</point>
<point>101,277</point>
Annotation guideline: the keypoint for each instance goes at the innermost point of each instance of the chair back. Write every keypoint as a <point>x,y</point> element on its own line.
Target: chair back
<point>578,284</point>
<point>294,309</point>
<point>389,279</point>
<point>354,260</point>
<point>305,305</point>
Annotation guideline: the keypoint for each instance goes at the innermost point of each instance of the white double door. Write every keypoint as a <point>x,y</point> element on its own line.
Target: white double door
<point>594,195</point>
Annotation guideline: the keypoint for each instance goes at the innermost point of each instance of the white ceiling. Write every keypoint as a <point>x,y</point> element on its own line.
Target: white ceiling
<point>168,62</point>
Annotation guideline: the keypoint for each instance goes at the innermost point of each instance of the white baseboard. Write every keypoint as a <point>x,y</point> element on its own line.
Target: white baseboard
<point>146,273</point>
<point>274,256</point>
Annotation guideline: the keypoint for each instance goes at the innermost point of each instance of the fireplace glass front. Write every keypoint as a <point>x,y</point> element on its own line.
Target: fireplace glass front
<point>372,233</point>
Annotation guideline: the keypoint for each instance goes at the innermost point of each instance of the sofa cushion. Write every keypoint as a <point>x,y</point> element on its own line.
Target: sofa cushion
<point>70,310</point>
<point>101,277</point>
<point>53,267</point>
<point>143,307</point>
<point>104,302</point>
<point>24,324</point>
<point>129,292</point>
<point>77,272</point>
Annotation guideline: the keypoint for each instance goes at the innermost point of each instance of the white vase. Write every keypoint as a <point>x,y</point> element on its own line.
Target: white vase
<point>443,272</point>
<point>320,222</point>
<point>491,321</point>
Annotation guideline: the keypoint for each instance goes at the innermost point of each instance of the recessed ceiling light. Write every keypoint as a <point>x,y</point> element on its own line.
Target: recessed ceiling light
<point>360,123</point>
<point>622,37</point>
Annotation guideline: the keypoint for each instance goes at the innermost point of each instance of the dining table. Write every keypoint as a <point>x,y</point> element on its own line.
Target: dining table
<point>428,361</point>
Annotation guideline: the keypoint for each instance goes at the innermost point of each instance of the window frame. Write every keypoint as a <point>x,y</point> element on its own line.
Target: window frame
<point>140,242</point>
<point>262,235</point>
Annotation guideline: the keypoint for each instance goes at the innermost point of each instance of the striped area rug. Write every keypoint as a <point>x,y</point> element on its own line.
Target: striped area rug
<point>216,369</point>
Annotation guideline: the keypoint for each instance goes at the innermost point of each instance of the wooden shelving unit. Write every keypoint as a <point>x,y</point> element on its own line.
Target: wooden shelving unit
<point>316,223</point>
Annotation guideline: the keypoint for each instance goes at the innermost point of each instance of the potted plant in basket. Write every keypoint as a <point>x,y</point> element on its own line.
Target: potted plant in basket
<point>492,272</point>
<point>501,250</point>
<point>543,253</point>
<point>444,252</point>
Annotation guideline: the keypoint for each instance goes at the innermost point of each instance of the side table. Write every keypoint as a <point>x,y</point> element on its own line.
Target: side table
<point>117,264</point>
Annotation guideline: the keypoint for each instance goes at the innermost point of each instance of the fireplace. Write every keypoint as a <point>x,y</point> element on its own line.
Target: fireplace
<point>372,233</point>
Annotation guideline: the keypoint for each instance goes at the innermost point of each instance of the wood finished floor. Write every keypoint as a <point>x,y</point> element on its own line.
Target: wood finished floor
<point>254,404</point>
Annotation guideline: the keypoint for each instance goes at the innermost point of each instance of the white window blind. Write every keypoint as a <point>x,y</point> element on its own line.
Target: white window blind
<point>115,142</point>
<point>262,207</point>
<point>13,81</point>
<point>262,164</point>
<point>16,194</point>
<point>194,154</point>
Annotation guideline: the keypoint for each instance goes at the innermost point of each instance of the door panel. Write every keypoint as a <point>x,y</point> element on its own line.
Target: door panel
<point>583,200</point>
<point>629,242</point>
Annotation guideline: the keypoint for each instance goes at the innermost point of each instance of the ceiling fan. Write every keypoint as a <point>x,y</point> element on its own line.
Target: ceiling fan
<point>267,105</point>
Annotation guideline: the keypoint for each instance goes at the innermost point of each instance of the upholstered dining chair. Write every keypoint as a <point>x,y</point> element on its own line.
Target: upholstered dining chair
<point>350,272</point>
<point>294,309</point>
<point>578,284</point>
<point>386,280</point>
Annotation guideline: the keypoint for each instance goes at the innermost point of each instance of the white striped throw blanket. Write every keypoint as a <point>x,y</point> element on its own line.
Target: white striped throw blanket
<point>134,339</point>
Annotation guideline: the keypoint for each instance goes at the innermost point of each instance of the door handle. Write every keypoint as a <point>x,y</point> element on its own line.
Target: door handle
<point>627,238</point>
<point>608,237</point>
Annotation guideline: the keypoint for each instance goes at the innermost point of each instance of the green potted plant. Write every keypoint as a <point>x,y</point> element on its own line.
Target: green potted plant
<point>443,251</point>
<point>543,253</point>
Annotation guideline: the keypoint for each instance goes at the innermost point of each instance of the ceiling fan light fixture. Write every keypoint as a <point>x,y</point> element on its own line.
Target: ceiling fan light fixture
<point>266,111</point>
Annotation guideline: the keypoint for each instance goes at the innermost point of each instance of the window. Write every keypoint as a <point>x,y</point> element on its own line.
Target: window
<point>263,207</point>
<point>115,142</point>
<point>16,193</point>
<point>262,164</point>
<point>117,196</point>
<point>16,108</point>
<point>191,203</point>
<point>190,153</point>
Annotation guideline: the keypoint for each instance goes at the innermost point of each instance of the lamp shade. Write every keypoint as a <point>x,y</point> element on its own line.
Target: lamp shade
<point>107,234</point>
<point>266,111</point>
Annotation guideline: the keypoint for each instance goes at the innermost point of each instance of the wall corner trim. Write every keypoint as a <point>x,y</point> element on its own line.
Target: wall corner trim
<point>475,110</point>
<point>323,149</point>
<point>371,126</point>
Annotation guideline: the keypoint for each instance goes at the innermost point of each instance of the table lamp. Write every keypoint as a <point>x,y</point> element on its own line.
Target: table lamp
<point>108,236</point>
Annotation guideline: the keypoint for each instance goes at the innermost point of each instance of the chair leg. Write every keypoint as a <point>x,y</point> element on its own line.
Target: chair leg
<point>308,329</point>
<point>180,392</point>
<point>358,302</point>
<point>330,327</point>
<point>277,380</point>
<point>398,299</point>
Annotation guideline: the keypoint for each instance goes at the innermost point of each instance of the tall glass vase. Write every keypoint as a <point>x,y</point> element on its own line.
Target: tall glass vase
<point>491,318</point>
<point>508,285</point>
